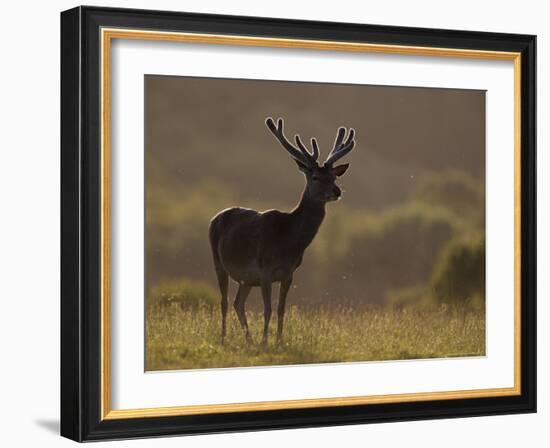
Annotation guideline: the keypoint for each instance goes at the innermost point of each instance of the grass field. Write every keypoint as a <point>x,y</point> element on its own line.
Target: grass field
<point>180,338</point>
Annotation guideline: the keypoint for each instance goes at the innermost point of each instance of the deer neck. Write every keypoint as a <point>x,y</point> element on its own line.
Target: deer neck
<point>308,216</point>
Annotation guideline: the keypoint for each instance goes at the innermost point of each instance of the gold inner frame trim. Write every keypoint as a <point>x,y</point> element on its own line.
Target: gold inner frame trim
<point>107,35</point>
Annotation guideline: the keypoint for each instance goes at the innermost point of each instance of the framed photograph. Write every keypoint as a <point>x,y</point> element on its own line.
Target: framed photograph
<point>276,224</point>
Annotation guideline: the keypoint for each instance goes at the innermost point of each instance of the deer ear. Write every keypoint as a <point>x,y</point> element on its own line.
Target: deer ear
<point>302,166</point>
<point>340,169</point>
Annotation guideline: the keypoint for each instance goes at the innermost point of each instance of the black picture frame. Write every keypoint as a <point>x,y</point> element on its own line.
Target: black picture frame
<point>81,224</point>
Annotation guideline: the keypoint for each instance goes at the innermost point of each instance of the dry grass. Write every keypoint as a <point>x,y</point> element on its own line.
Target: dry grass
<point>189,338</point>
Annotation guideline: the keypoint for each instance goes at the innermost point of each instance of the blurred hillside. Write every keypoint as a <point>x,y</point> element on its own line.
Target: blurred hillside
<point>415,185</point>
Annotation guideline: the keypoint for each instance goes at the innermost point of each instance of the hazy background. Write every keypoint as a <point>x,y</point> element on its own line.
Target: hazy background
<point>410,224</point>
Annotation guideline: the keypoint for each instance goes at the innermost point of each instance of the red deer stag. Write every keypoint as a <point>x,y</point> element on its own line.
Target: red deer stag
<point>260,248</point>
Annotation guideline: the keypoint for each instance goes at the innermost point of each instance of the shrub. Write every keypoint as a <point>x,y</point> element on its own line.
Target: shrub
<point>397,249</point>
<point>177,230</point>
<point>460,273</point>
<point>412,296</point>
<point>186,293</point>
<point>456,191</point>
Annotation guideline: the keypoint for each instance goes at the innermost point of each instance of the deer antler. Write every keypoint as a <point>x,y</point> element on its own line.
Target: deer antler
<point>302,154</point>
<point>341,147</point>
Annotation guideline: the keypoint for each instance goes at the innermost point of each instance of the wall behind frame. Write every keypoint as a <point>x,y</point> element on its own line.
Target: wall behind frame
<point>29,236</point>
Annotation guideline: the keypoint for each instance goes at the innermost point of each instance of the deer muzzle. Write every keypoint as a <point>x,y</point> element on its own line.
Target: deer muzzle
<point>335,194</point>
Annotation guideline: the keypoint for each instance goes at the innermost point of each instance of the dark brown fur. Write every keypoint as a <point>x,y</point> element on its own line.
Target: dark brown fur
<point>261,248</point>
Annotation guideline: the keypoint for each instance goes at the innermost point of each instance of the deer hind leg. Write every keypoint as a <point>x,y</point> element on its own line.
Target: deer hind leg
<point>240,300</point>
<point>223,283</point>
<point>266,295</point>
<point>283,291</point>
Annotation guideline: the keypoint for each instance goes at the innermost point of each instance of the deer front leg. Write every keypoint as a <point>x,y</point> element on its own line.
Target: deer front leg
<point>240,300</point>
<point>266,295</point>
<point>283,291</point>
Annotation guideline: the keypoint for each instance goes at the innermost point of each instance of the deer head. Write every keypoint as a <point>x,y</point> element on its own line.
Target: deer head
<point>320,179</point>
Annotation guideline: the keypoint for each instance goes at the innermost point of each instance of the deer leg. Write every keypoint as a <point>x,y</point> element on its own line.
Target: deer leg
<point>266,295</point>
<point>240,300</point>
<point>283,291</point>
<point>222,282</point>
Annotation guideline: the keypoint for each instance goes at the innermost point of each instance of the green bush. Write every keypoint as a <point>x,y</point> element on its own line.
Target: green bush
<point>365,259</point>
<point>177,230</point>
<point>359,255</point>
<point>183,292</point>
<point>454,190</point>
<point>460,273</point>
<point>415,296</point>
